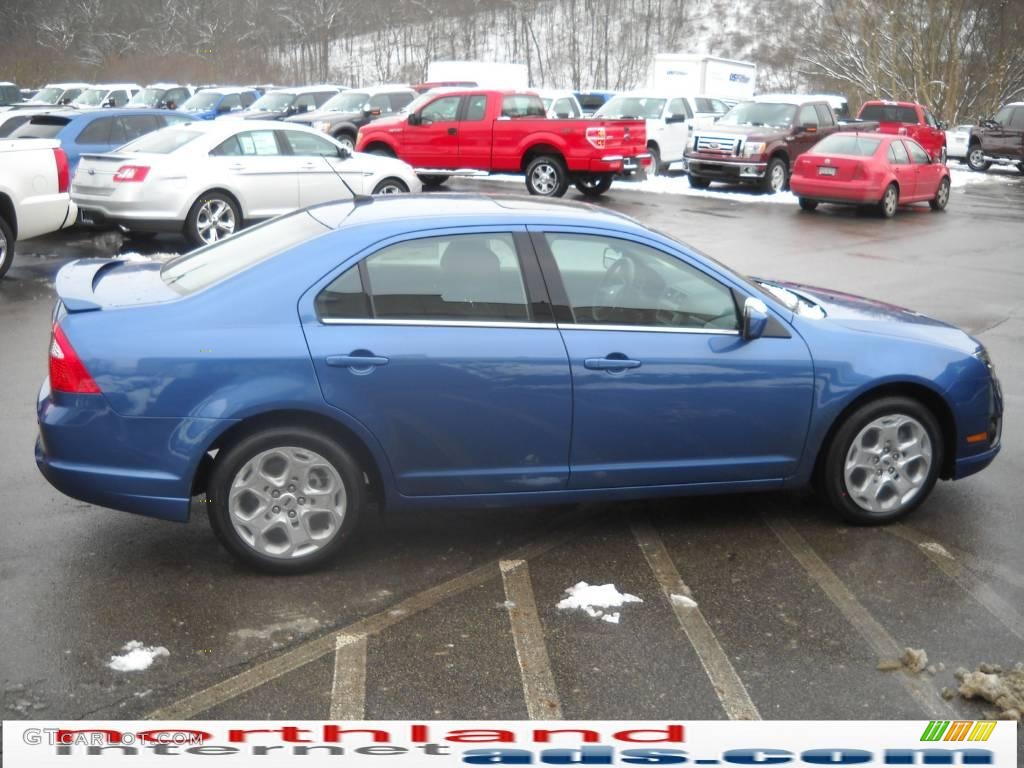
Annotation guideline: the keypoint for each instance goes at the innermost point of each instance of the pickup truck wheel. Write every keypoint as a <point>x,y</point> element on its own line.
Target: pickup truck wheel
<point>941,198</point>
<point>883,461</point>
<point>698,182</point>
<point>546,176</point>
<point>890,201</point>
<point>654,167</point>
<point>807,204</point>
<point>429,180</point>
<point>976,159</point>
<point>774,177</point>
<point>6,247</point>
<point>594,185</point>
<point>346,140</point>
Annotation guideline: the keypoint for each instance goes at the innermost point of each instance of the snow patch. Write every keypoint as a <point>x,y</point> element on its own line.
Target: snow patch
<point>136,657</point>
<point>594,599</point>
<point>144,258</point>
<point>935,548</point>
<point>301,625</point>
<point>684,601</point>
<point>965,177</point>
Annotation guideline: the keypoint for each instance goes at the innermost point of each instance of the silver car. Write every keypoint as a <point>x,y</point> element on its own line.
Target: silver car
<point>207,179</point>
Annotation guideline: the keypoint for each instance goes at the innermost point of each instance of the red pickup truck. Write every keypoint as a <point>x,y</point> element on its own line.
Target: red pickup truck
<point>905,118</point>
<point>450,131</point>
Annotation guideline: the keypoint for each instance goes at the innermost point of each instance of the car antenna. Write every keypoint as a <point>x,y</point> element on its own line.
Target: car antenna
<point>357,199</point>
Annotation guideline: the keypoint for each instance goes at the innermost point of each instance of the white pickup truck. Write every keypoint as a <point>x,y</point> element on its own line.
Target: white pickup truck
<point>34,196</point>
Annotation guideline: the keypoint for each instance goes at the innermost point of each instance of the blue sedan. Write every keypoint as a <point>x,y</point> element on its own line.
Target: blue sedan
<point>479,351</point>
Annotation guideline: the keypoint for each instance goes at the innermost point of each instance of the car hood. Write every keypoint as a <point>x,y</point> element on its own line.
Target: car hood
<point>755,132</point>
<point>858,313</point>
<point>261,115</point>
<point>382,123</point>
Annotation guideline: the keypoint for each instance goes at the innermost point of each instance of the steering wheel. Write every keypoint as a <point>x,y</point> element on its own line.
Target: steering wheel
<point>617,279</point>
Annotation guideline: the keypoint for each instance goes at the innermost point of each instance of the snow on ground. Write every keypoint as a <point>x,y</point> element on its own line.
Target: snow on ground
<point>136,657</point>
<point>684,601</point>
<point>962,176</point>
<point>134,257</point>
<point>936,548</point>
<point>595,599</point>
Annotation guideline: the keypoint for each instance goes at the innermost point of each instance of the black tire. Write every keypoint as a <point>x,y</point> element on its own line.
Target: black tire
<point>1020,167</point>
<point>807,204</point>
<point>698,182</point>
<point>347,140</point>
<point>832,481</point>
<point>655,166</point>
<point>776,177</point>
<point>6,246</point>
<point>233,459</point>
<point>391,186</point>
<point>380,151</point>
<point>890,202</point>
<point>192,226</point>
<point>431,181</point>
<point>546,176</point>
<point>941,199</point>
<point>976,158</point>
<point>594,185</point>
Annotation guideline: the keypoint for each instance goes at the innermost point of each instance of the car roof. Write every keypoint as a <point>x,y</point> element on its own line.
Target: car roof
<point>454,209</point>
<point>373,90</point>
<point>68,85</point>
<point>228,126</point>
<point>649,93</point>
<point>112,86</point>
<point>795,99</point>
<point>887,103</point>
<point>166,85</point>
<point>94,114</point>
<point>227,90</point>
<point>301,89</point>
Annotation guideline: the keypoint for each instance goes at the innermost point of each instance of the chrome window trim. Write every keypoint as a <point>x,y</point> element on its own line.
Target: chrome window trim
<point>647,329</point>
<point>438,323</point>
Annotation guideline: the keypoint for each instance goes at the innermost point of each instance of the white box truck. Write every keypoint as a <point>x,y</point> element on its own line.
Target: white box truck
<point>697,75</point>
<point>486,74</point>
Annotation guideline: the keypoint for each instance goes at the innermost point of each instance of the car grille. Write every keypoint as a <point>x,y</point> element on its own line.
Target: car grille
<point>715,145</point>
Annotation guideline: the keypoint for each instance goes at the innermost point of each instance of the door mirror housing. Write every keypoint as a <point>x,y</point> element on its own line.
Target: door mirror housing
<point>755,318</point>
<point>671,119</point>
<point>415,119</point>
<point>343,153</point>
<point>809,128</point>
<point>943,125</point>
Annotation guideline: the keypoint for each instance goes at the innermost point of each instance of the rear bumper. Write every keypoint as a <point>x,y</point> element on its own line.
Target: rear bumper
<point>93,217</point>
<point>853,192</point>
<point>737,170</point>
<point>42,214</point>
<point>140,465</point>
<point>620,164</point>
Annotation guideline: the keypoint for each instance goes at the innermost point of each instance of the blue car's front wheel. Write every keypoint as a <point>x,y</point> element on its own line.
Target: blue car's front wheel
<point>883,460</point>
<point>286,499</point>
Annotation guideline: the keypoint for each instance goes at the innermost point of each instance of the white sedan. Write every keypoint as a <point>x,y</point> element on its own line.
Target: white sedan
<point>957,141</point>
<point>208,179</point>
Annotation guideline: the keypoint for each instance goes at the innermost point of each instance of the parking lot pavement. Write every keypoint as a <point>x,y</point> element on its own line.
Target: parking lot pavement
<point>752,606</point>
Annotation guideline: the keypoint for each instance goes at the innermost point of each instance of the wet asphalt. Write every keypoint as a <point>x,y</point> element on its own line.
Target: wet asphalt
<point>802,607</point>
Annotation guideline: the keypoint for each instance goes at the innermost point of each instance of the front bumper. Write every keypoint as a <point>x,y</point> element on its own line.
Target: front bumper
<point>725,169</point>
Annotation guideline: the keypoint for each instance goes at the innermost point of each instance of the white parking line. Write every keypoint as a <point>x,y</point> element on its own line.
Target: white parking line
<point>881,642</point>
<point>264,672</point>
<point>996,570</point>
<point>532,654</point>
<point>727,684</point>
<point>348,692</point>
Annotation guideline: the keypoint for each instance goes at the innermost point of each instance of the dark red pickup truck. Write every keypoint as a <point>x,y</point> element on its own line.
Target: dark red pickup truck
<point>449,131</point>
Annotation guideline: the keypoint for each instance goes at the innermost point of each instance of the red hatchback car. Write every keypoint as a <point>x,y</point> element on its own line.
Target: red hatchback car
<point>869,169</point>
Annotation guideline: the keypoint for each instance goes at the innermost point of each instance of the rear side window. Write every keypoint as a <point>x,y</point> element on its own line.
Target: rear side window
<point>213,263</point>
<point>460,277</point>
<point>40,128</point>
<point>249,143</point>
<point>476,107</point>
<point>307,144</point>
<point>522,105</point>
<point>844,144</point>
<point>400,100</point>
<point>138,125</point>
<point>898,154</point>
<point>246,98</point>
<point>824,114</point>
<point>98,132</point>
<point>917,155</point>
<point>889,113</point>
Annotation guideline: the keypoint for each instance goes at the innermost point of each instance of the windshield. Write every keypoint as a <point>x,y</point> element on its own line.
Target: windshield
<point>632,107</point>
<point>209,265</point>
<point>201,101</point>
<point>147,97</point>
<point>47,96</point>
<point>161,142</point>
<point>91,98</point>
<point>758,113</point>
<point>350,101</point>
<point>845,144</point>
<point>272,102</point>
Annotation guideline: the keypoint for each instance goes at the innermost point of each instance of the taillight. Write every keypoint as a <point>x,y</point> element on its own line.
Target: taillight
<point>132,173</point>
<point>597,136</point>
<point>63,177</point>
<point>859,172</point>
<point>67,372</point>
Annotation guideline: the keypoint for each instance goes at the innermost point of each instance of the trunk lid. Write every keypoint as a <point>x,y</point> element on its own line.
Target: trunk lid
<point>829,167</point>
<point>96,284</point>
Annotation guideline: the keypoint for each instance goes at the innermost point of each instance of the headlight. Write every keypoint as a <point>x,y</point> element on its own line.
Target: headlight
<point>322,126</point>
<point>753,148</point>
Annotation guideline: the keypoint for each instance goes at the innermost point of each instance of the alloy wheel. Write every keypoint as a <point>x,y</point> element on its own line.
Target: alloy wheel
<point>888,463</point>
<point>287,502</point>
<point>778,178</point>
<point>544,178</point>
<point>216,220</point>
<point>942,195</point>
<point>890,201</point>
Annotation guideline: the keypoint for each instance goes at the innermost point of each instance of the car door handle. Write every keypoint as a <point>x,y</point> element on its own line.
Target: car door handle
<point>355,361</point>
<point>236,167</point>
<point>452,131</point>
<point>610,363</point>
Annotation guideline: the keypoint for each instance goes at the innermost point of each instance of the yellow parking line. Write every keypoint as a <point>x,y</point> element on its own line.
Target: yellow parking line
<point>532,654</point>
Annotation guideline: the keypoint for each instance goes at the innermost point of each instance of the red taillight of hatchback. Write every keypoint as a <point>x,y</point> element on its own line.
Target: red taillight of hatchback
<point>67,371</point>
<point>63,175</point>
<point>132,173</point>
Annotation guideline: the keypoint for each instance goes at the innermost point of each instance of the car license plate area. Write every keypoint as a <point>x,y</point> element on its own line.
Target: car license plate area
<point>826,170</point>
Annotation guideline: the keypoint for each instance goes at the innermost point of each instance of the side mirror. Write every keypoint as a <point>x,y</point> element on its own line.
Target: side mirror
<point>755,318</point>
<point>809,127</point>
<point>675,119</point>
<point>943,125</point>
<point>111,102</point>
<point>415,119</point>
<point>344,153</point>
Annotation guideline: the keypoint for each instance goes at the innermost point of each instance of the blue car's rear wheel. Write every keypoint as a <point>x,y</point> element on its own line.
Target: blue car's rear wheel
<point>883,460</point>
<point>285,500</point>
